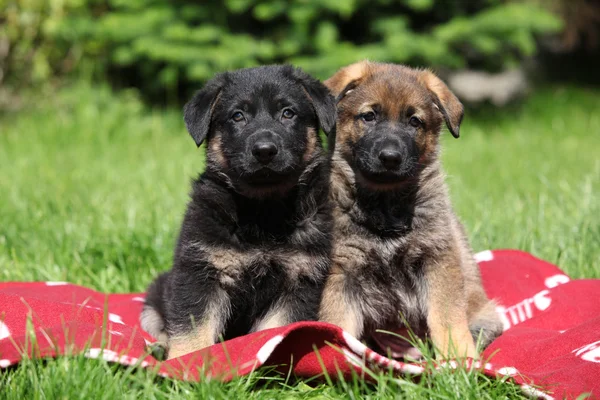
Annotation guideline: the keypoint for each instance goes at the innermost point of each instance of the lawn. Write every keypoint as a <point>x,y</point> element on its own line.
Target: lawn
<point>93,186</point>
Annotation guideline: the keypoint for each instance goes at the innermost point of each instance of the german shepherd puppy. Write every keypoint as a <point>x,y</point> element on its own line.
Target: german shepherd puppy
<point>254,248</point>
<point>400,254</point>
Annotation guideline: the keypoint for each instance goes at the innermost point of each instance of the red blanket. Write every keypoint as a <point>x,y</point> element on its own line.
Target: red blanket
<point>551,338</point>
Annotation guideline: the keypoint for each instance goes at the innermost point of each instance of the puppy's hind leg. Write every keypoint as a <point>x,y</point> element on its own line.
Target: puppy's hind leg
<point>152,317</point>
<point>485,325</point>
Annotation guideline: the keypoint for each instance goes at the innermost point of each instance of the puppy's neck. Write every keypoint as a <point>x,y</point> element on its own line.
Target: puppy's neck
<point>392,211</point>
<point>309,191</point>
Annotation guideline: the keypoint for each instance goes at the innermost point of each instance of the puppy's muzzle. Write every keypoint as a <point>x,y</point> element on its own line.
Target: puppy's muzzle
<point>391,152</point>
<point>390,158</point>
<point>265,147</point>
<point>264,151</point>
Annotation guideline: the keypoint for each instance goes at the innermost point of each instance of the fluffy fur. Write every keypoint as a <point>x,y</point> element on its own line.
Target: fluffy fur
<point>400,254</point>
<point>254,247</point>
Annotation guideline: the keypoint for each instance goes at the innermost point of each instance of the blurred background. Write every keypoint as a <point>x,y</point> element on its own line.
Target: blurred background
<point>167,48</point>
<point>95,161</point>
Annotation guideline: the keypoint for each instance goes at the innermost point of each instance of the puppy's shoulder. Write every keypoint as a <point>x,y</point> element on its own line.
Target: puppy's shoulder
<point>437,226</point>
<point>316,173</point>
<point>208,188</point>
<point>211,212</point>
<point>342,181</point>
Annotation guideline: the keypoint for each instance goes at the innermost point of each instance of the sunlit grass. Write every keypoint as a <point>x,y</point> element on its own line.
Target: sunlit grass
<point>93,187</point>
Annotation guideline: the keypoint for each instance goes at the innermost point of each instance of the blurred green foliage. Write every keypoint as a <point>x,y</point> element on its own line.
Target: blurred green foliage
<point>169,44</point>
<point>32,50</point>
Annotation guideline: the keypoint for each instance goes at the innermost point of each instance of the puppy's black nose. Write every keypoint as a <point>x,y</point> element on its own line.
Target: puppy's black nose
<point>390,158</point>
<point>264,151</point>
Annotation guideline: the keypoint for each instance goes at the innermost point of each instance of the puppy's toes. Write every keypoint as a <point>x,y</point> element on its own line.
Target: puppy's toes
<point>158,350</point>
<point>486,326</point>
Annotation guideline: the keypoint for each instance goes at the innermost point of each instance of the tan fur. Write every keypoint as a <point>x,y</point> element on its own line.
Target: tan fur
<point>449,295</point>
<point>351,73</point>
<point>229,262</point>
<point>427,144</point>
<point>195,340</point>
<point>215,151</point>
<point>297,264</point>
<point>311,144</point>
<point>205,333</point>
<point>447,311</point>
<point>276,317</point>
<point>337,309</point>
<point>342,179</point>
<point>228,259</point>
<point>451,104</point>
<point>232,263</point>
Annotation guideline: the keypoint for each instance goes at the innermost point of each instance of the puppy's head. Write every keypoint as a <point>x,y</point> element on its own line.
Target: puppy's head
<point>389,120</point>
<point>261,125</point>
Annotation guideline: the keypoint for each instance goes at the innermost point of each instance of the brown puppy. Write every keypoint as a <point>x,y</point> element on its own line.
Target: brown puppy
<point>400,253</point>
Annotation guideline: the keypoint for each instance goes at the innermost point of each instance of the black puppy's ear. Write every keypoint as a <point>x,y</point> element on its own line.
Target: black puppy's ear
<point>323,102</point>
<point>198,111</point>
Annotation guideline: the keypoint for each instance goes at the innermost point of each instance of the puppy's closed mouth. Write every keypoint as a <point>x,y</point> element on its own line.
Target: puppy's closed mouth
<point>266,176</point>
<point>384,178</point>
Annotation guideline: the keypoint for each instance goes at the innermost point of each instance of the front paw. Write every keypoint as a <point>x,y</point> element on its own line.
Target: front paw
<point>158,350</point>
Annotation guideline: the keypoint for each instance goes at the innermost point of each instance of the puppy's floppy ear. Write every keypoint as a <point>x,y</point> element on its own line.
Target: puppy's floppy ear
<point>346,79</point>
<point>323,102</point>
<point>198,111</point>
<point>449,105</point>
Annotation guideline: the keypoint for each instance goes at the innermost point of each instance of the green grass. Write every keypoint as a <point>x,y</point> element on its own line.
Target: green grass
<point>93,187</point>
<point>81,378</point>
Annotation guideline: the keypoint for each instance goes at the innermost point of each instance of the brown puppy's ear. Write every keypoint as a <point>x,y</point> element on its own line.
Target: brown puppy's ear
<point>347,79</point>
<point>198,111</point>
<point>449,105</point>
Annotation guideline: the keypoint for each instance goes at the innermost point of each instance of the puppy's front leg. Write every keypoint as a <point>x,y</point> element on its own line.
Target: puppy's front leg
<point>301,294</point>
<point>338,307</point>
<point>202,331</point>
<point>447,309</point>
<point>278,315</point>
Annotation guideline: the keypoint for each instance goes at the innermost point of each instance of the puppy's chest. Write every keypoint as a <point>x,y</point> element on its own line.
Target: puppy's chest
<point>361,252</point>
<point>270,242</point>
<point>392,280</point>
<point>382,218</point>
<point>283,229</point>
<point>234,266</point>
<point>402,261</point>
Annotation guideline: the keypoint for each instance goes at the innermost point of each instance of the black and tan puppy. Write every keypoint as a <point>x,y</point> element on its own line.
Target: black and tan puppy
<point>254,248</point>
<point>399,249</point>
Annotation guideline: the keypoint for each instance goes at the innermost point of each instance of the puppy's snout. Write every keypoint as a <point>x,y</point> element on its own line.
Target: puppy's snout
<point>264,151</point>
<point>390,158</point>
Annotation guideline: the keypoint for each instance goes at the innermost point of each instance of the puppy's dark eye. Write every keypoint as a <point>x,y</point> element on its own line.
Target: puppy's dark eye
<point>368,117</point>
<point>237,116</point>
<point>415,122</point>
<point>288,114</point>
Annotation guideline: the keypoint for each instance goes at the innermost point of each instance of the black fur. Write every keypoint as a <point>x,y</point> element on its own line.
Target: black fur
<point>254,236</point>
